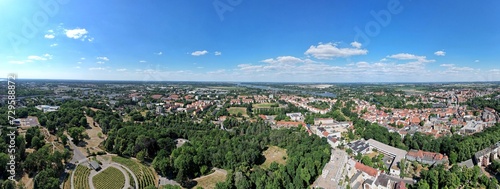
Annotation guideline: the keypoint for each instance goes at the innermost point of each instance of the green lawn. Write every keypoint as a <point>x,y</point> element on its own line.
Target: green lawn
<point>274,154</point>
<point>110,178</point>
<point>263,105</point>
<point>236,110</point>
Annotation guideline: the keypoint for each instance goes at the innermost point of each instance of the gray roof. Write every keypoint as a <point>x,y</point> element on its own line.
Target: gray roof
<point>468,163</point>
<point>94,165</point>
<point>486,150</point>
<point>382,180</point>
<point>359,146</point>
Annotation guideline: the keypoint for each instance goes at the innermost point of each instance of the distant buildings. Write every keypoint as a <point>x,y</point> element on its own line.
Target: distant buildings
<point>295,116</point>
<point>47,108</point>
<point>472,127</point>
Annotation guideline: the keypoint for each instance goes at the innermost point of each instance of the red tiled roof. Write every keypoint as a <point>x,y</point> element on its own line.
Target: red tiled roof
<point>368,170</point>
<point>156,96</point>
<point>400,185</point>
<point>325,133</point>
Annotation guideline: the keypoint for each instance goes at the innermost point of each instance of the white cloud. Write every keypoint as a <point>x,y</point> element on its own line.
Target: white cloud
<point>407,56</point>
<point>40,58</point>
<point>90,39</point>
<point>97,68</point>
<point>330,50</point>
<point>100,62</point>
<point>47,56</point>
<point>34,57</point>
<point>102,58</point>
<point>76,33</point>
<point>440,53</point>
<point>50,31</point>
<point>78,67</point>
<point>82,58</point>
<point>49,36</point>
<point>79,62</point>
<point>53,45</point>
<point>159,53</point>
<point>476,61</point>
<point>199,53</point>
<point>356,44</point>
<point>121,70</point>
<point>447,65</point>
<point>142,61</point>
<point>286,60</point>
<point>217,53</point>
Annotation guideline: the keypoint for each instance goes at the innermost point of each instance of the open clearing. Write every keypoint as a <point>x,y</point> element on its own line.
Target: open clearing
<point>94,140</point>
<point>209,181</point>
<point>236,110</point>
<point>274,154</point>
<point>263,105</point>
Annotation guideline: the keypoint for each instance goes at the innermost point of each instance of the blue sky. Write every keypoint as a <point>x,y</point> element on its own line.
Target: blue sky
<point>243,40</point>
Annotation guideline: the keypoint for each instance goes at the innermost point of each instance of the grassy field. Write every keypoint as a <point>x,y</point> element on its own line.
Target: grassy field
<point>274,154</point>
<point>263,105</point>
<point>144,174</point>
<point>209,181</point>
<point>236,110</point>
<point>110,178</point>
<point>81,176</point>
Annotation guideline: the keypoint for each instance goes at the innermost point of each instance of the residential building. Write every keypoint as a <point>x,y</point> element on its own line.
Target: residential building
<point>424,157</point>
<point>485,156</point>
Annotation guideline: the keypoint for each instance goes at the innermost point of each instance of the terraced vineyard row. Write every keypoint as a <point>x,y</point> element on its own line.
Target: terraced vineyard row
<point>144,174</point>
<point>81,176</point>
<point>111,178</point>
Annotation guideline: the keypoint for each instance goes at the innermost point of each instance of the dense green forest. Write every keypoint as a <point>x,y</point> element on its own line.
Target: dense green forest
<point>238,150</point>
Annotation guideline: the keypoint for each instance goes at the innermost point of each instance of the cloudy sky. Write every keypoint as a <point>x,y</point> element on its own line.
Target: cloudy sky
<point>252,40</point>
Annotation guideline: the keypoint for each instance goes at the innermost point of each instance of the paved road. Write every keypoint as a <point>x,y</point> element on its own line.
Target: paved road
<point>77,154</point>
